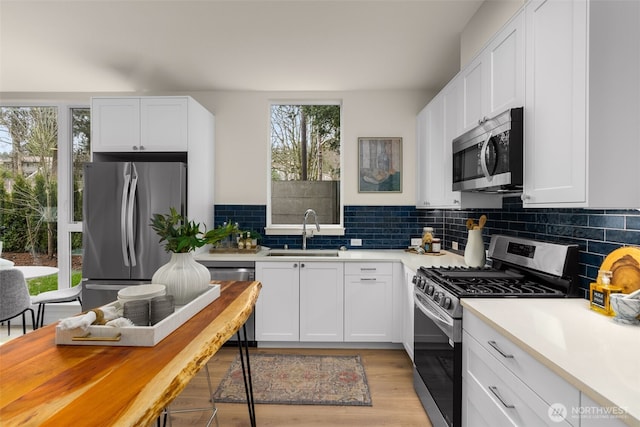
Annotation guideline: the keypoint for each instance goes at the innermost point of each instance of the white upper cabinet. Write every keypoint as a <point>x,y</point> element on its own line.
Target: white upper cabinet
<point>115,124</point>
<point>164,124</point>
<point>582,109</point>
<point>438,123</point>
<point>421,156</point>
<point>505,57</point>
<point>494,81</point>
<point>135,124</point>
<point>474,89</point>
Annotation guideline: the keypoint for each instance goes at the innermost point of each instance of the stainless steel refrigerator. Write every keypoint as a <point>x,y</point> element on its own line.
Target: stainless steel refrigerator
<point>120,248</point>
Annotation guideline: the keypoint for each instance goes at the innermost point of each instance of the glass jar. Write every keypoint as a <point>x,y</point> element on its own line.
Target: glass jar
<point>427,238</point>
<point>600,293</point>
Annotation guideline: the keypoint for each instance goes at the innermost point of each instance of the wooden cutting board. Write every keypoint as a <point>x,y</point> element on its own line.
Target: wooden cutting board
<point>624,263</point>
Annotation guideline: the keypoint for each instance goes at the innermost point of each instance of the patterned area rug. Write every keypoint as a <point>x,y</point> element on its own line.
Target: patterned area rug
<point>298,380</point>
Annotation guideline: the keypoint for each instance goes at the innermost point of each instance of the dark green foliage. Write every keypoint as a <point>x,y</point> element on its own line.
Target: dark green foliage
<point>179,234</point>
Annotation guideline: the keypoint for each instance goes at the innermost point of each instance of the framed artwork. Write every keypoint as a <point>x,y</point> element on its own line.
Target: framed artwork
<point>379,165</point>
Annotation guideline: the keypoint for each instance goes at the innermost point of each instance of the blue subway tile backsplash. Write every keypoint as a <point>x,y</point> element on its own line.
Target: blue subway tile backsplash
<point>596,232</point>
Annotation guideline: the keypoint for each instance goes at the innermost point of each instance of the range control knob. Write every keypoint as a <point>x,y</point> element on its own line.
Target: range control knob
<point>415,280</point>
<point>445,303</point>
<point>437,296</point>
<point>429,290</point>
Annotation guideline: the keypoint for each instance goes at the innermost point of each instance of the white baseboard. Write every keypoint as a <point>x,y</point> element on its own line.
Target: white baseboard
<point>332,345</point>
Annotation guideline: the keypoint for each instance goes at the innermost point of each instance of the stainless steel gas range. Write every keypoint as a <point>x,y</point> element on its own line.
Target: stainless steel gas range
<point>520,268</point>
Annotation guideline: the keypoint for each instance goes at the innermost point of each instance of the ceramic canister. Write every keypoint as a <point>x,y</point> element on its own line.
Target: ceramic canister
<point>474,254</point>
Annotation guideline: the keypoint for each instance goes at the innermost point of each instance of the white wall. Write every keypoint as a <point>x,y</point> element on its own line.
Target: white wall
<point>242,137</point>
<point>489,18</point>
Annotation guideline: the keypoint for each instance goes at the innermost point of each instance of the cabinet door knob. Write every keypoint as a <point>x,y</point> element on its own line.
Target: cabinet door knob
<point>142,147</point>
<point>301,265</point>
<point>295,265</point>
<point>135,147</point>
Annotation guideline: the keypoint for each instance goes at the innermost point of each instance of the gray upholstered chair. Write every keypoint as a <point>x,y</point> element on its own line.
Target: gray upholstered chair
<point>52,297</point>
<point>14,298</point>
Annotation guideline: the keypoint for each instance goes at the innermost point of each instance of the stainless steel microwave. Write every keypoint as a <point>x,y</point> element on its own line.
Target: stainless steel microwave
<point>489,157</point>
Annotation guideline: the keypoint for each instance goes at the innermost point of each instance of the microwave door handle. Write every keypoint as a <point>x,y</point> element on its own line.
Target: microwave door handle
<point>483,157</point>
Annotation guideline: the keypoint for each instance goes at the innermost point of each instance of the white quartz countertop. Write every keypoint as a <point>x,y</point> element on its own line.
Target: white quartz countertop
<point>596,355</point>
<point>413,261</point>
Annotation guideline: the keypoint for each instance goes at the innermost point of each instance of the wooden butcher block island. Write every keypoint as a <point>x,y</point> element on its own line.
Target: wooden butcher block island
<point>42,383</point>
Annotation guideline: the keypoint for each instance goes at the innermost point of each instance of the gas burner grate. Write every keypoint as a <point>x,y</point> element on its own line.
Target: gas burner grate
<point>487,282</point>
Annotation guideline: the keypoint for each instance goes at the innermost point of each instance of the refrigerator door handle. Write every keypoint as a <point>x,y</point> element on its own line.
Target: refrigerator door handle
<point>132,194</point>
<point>123,215</point>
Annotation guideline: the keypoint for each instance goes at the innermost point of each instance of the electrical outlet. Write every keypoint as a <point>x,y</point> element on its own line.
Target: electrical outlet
<point>454,246</point>
<point>356,242</point>
<point>416,241</point>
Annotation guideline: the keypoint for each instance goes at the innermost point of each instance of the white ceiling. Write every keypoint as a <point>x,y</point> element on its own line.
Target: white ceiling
<point>275,45</point>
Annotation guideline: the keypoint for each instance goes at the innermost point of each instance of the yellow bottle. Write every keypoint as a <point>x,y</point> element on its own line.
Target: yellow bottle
<point>600,292</point>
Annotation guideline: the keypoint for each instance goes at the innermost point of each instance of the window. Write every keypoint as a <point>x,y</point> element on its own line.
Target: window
<point>42,149</point>
<point>305,164</point>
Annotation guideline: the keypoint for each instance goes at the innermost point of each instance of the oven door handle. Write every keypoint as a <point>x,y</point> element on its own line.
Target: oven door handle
<point>443,324</point>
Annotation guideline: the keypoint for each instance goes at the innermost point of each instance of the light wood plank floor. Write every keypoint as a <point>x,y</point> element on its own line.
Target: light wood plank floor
<point>390,378</point>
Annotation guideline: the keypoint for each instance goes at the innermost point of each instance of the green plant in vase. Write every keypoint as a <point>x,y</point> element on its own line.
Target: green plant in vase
<point>183,276</point>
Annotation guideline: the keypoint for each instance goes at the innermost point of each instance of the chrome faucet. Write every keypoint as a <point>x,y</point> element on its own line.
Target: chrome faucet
<point>304,227</point>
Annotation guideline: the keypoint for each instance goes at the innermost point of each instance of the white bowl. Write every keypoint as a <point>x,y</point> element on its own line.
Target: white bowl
<point>139,292</point>
<point>627,309</point>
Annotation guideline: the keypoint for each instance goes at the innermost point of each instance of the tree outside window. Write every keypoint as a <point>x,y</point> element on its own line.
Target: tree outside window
<point>305,162</point>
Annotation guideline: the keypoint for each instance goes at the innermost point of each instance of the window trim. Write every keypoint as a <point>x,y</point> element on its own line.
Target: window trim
<point>289,229</point>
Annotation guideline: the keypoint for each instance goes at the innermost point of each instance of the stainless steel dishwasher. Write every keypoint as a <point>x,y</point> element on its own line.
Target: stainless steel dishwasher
<point>235,270</point>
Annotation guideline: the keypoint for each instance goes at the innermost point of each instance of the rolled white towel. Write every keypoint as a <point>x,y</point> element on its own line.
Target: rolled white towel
<point>83,322</point>
<point>98,316</point>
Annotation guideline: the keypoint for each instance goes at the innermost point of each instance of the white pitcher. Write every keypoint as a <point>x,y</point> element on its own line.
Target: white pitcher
<point>474,255</point>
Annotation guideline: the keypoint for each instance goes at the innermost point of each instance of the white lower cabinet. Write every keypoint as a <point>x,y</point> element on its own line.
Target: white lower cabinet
<point>277,310</point>
<point>321,301</point>
<point>368,299</point>
<point>594,415</point>
<point>407,308</point>
<point>327,302</point>
<point>505,386</point>
<point>300,301</point>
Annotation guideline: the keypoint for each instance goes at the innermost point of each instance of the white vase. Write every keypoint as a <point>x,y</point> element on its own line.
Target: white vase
<point>184,277</point>
<point>474,255</point>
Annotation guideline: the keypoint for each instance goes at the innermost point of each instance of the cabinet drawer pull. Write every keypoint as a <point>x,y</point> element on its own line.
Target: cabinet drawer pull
<point>494,390</point>
<point>502,353</point>
<point>368,268</point>
<point>367,279</point>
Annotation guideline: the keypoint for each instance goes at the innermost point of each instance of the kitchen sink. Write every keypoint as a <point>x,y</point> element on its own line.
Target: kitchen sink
<point>304,252</point>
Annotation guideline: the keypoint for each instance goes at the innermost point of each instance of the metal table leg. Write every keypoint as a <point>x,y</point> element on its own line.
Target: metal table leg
<point>246,373</point>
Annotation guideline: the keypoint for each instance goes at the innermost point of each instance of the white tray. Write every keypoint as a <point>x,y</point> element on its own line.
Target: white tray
<point>137,336</point>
